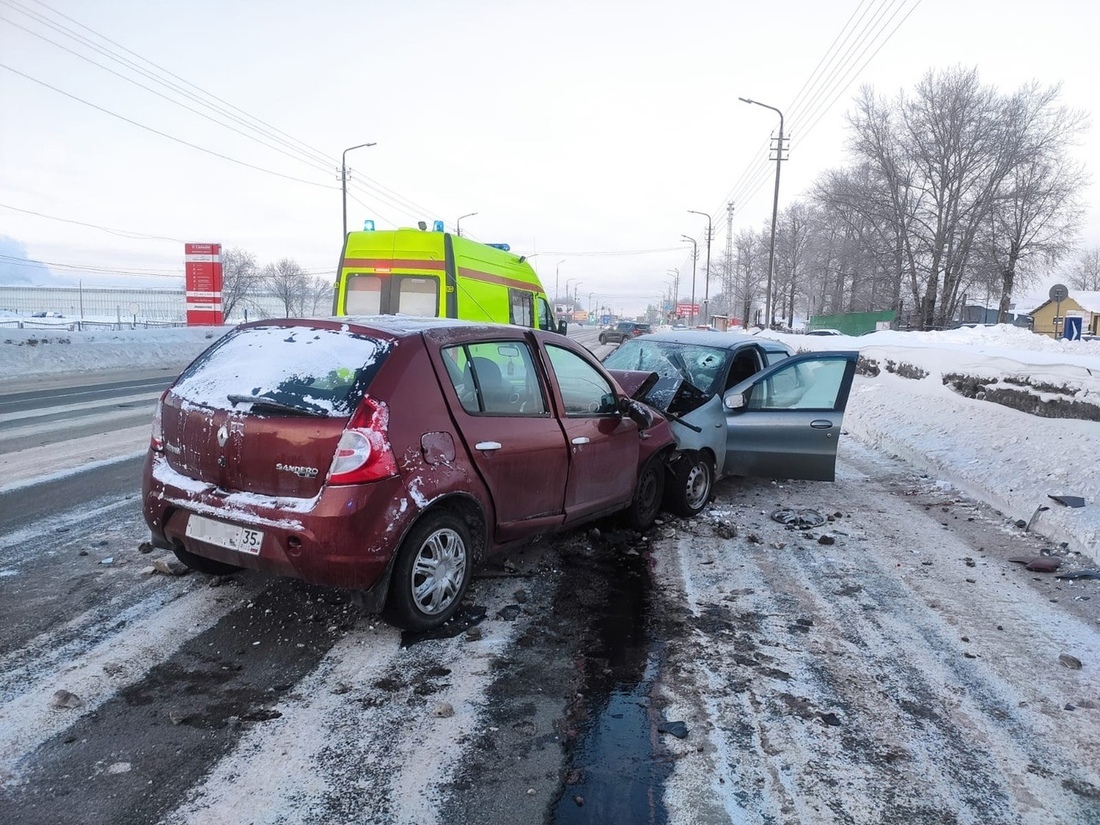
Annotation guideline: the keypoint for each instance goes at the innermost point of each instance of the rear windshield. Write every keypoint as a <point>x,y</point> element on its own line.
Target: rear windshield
<point>307,370</point>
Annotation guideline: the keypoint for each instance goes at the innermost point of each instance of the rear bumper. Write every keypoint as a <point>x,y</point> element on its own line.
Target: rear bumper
<point>344,537</point>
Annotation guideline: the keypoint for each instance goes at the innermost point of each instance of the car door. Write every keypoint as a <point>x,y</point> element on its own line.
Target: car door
<point>785,421</point>
<point>502,412</point>
<point>603,443</point>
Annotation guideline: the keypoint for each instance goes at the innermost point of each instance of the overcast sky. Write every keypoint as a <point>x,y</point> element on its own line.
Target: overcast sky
<point>581,132</point>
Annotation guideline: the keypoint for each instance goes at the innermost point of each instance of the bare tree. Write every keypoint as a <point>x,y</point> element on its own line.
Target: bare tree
<point>792,255</point>
<point>288,282</point>
<point>1038,211</point>
<point>318,297</point>
<point>750,257</point>
<point>1084,272</point>
<point>240,279</point>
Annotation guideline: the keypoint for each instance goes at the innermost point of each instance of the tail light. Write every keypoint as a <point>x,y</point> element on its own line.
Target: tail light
<point>364,453</point>
<point>156,440</point>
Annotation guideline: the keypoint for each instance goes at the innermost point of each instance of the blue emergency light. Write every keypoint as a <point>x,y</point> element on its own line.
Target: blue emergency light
<point>368,226</point>
<point>437,226</point>
<point>501,246</point>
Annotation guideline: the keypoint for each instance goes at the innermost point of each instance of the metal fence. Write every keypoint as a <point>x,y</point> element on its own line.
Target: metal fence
<point>116,306</point>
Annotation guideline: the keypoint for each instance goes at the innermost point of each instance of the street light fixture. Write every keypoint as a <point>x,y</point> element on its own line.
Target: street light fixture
<point>458,223</point>
<point>557,271</point>
<point>576,288</point>
<point>344,182</point>
<point>775,209</point>
<point>694,259</point>
<point>706,277</point>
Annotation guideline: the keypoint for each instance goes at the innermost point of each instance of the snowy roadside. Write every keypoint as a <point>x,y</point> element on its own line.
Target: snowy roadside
<point>30,354</point>
<point>1010,459</point>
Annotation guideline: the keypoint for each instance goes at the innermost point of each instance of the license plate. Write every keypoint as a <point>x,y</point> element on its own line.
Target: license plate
<point>231,536</point>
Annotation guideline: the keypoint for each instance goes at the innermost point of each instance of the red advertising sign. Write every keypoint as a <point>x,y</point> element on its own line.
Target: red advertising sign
<point>203,283</point>
<point>687,309</point>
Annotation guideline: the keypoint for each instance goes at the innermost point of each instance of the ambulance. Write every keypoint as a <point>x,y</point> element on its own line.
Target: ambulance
<point>436,274</point>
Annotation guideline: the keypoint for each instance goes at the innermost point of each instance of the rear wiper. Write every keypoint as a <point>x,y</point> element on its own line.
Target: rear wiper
<point>263,402</point>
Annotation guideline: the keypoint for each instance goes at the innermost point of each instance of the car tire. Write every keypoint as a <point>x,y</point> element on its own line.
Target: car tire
<point>691,484</point>
<point>431,573</point>
<point>200,564</point>
<point>648,494</point>
<point>603,340</point>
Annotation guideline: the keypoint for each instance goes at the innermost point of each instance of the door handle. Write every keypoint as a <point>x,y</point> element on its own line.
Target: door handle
<point>487,446</point>
<point>579,440</point>
<point>821,424</point>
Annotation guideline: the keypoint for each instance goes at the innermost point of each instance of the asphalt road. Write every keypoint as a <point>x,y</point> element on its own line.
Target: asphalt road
<point>888,666</point>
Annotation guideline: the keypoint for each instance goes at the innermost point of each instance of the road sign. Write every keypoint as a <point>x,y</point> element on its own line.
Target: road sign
<point>1059,293</point>
<point>203,279</point>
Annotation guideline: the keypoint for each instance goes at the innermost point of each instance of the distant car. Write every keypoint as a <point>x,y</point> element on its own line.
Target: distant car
<point>47,315</point>
<point>824,331</point>
<point>390,454</point>
<point>740,405</point>
<point>624,331</point>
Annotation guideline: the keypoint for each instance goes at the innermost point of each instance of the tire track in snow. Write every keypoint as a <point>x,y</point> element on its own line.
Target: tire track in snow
<point>788,634</point>
<point>359,738</point>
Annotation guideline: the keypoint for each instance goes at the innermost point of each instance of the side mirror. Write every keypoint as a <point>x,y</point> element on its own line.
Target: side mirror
<point>734,401</point>
<point>639,413</point>
<point>561,327</point>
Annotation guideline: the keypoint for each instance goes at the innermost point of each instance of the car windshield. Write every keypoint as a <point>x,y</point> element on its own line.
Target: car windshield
<point>303,370</point>
<point>705,368</point>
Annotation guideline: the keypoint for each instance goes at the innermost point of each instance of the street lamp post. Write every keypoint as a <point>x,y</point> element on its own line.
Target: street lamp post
<point>568,281</point>
<point>458,223</point>
<point>694,259</point>
<point>557,271</point>
<point>775,209</point>
<point>706,277</point>
<point>344,181</point>
<point>576,291</point>
<point>676,289</point>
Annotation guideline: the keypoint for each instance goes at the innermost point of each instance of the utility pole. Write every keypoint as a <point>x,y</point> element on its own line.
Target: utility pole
<point>775,209</point>
<point>344,185</point>
<point>706,277</point>
<point>694,260</point>
<point>728,286</point>
<point>458,223</point>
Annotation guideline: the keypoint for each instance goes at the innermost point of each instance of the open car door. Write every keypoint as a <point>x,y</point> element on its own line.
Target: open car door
<point>784,422</point>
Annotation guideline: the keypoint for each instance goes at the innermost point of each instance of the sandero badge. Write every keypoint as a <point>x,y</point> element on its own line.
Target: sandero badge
<point>391,454</point>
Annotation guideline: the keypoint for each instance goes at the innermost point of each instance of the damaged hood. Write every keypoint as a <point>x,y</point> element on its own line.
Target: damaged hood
<point>635,383</point>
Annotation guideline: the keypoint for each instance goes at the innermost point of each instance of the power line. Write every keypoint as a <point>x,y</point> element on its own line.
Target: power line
<point>307,154</point>
<point>163,134</point>
<point>121,232</point>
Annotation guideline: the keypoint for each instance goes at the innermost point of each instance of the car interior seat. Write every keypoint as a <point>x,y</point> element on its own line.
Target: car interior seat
<point>495,396</point>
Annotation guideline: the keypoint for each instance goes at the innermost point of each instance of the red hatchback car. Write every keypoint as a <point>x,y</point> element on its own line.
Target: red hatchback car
<point>390,454</point>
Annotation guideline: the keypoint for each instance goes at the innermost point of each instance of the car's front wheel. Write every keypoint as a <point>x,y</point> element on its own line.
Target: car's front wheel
<point>603,338</point>
<point>646,503</point>
<point>691,484</point>
<point>431,573</point>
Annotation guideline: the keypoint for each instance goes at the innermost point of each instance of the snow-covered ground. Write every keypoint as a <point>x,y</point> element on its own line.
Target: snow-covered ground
<point>1011,459</point>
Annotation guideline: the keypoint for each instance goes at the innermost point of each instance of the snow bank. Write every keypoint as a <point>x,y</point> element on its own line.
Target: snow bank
<point>27,353</point>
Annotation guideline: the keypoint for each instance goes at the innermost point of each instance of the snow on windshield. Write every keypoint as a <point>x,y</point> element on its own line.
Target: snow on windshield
<point>310,368</point>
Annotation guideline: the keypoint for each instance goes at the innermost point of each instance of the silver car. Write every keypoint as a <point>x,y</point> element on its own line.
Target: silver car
<point>740,406</point>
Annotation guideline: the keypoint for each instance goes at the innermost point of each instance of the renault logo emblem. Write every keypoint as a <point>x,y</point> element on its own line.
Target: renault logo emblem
<point>223,435</point>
